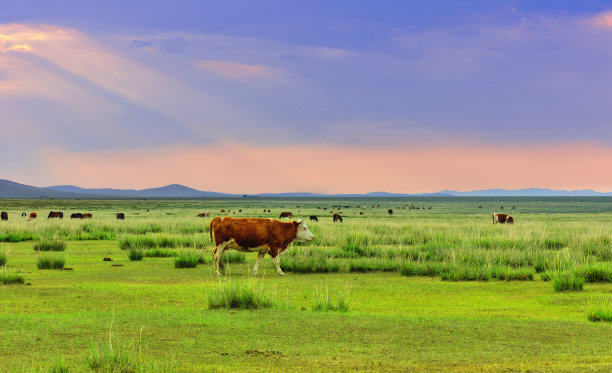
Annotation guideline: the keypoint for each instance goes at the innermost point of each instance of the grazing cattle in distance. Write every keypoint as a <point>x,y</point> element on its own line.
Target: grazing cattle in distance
<point>222,210</point>
<point>313,218</point>
<point>4,215</point>
<point>32,215</point>
<point>87,216</point>
<point>502,218</point>
<point>337,217</point>
<point>204,214</point>
<point>55,214</point>
<point>259,235</point>
<point>360,212</point>
<point>76,215</point>
<point>120,216</point>
<point>23,214</point>
<point>285,214</point>
<point>390,211</point>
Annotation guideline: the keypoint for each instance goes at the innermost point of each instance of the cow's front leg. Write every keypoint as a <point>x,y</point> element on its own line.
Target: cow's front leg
<point>257,261</point>
<point>276,260</point>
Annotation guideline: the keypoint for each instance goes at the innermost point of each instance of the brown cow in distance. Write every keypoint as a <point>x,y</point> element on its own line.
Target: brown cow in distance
<point>32,215</point>
<point>4,215</point>
<point>337,217</point>
<point>120,216</point>
<point>502,218</point>
<point>55,214</point>
<point>259,235</point>
<point>87,216</point>
<point>285,214</point>
<point>204,214</point>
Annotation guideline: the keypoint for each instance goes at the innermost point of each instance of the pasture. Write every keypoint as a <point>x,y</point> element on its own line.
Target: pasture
<point>421,290</point>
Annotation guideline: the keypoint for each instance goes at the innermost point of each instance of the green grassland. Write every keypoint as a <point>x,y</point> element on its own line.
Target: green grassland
<point>422,290</point>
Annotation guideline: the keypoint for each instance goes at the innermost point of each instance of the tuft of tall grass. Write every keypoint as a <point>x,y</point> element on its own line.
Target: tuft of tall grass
<point>136,254</point>
<point>331,300</point>
<point>50,245</point>
<point>465,273</point>
<point>160,241</point>
<point>8,277</point>
<point>597,272</point>
<point>309,264</point>
<point>50,261</point>
<point>3,258</point>
<point>16,236</point>
<point>159,253</point>
<point>566,281</point>
<point>512,274</point>
<point>186,260</point>
<point>428,269</point>
<point>373,265</point>
<point>60,366</point>
<point>116,357</point>
<point>232,256</point>
<point>601,312</point>
<point>245,295</point>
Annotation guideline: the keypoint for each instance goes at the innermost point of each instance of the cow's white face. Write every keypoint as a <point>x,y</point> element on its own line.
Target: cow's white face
<point>303,233</point>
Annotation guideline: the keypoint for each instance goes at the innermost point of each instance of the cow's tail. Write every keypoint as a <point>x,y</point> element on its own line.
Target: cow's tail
<point>210,230</point>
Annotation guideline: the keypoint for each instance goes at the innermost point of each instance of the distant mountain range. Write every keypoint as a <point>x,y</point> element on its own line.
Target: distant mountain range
<point>10,189</point>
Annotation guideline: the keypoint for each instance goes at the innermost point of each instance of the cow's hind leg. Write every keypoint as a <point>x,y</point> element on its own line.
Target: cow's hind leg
<point>257,261</point>
<point>218,253</point>
<point>276,260</point>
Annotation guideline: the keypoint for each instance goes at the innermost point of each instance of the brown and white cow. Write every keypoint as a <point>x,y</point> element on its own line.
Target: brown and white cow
<point>502,218</point>
<point>259,235</point>
<point>204,214</point>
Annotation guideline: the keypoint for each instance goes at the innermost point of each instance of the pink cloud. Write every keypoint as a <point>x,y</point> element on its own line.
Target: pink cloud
<point>603,20</point>
<point>241,168</point>
<point>234,70</point>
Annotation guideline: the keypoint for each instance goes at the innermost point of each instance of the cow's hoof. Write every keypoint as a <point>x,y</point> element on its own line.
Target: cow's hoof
<point>254,273</point>
<point>281,273</point>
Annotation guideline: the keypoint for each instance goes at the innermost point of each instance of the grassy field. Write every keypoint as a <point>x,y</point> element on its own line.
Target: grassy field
<point>421,290</point>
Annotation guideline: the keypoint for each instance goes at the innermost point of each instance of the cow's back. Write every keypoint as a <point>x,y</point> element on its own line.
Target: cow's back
<point>252,232</point>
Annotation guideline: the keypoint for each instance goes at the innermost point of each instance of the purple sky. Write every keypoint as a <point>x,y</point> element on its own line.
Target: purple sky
<point>84,80</point>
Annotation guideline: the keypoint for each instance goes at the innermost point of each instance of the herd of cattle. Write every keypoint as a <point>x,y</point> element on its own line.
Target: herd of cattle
<point>336,217</point>
<point>59,215</point>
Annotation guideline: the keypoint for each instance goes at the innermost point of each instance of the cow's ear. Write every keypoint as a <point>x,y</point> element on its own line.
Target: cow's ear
<point>297,222</point>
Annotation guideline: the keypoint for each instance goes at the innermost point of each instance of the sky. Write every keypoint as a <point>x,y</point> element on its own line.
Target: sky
<point>307,96</point>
